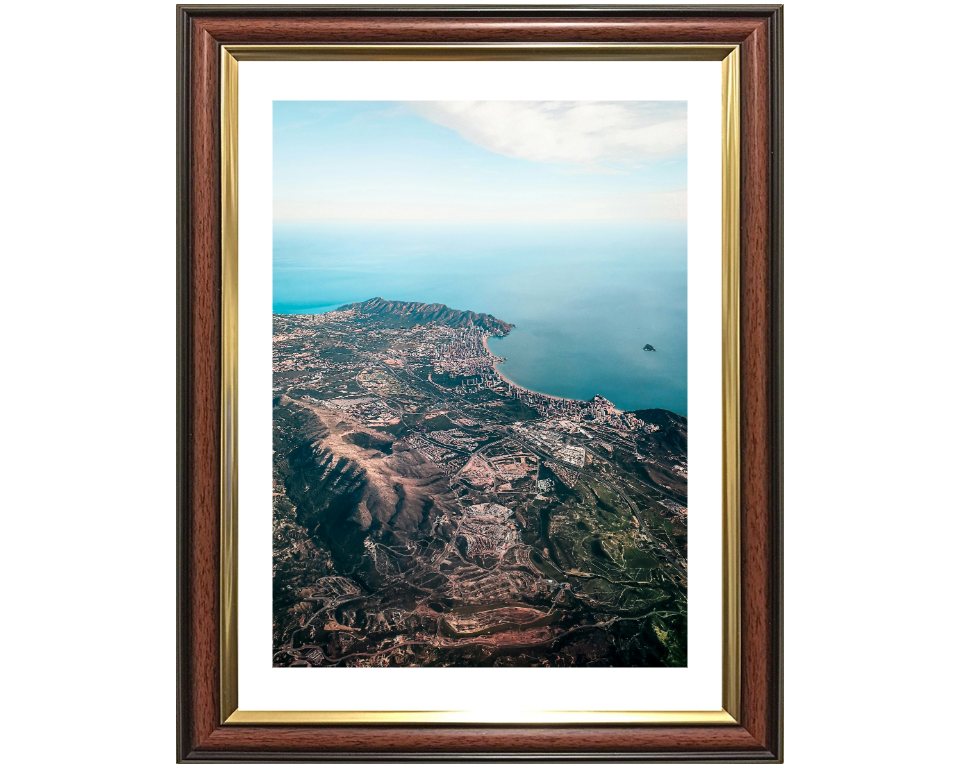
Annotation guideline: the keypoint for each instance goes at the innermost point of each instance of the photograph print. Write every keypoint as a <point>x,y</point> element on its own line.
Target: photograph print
<point>479,384</point>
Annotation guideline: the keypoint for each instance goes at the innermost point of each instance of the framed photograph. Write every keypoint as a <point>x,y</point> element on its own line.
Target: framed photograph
<point>479,380</point>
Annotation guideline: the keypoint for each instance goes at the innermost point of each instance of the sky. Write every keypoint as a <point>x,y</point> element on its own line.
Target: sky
<point>493,161</point>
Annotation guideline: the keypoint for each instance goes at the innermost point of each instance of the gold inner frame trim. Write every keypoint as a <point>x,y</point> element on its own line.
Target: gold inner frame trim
<point>229,438</point>
<point>490,717</point>
<point>730,329</point>
<point>729,56</point>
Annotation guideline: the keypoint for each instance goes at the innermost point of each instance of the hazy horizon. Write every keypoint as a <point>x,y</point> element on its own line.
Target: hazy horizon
<point>470,162</point>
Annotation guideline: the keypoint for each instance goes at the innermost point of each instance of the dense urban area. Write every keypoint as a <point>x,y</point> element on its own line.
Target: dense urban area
<point>429,512</point>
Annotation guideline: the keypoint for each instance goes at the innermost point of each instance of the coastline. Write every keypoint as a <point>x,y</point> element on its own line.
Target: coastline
<point>494,359</point>
<point>523,388</point>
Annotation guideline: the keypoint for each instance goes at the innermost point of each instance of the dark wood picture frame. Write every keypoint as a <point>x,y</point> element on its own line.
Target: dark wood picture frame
<point>202,32</point>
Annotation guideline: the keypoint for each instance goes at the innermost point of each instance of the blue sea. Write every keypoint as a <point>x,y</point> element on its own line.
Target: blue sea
<point>585,298</point>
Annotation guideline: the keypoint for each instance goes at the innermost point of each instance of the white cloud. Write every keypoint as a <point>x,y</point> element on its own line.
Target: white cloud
<point>584,133</point>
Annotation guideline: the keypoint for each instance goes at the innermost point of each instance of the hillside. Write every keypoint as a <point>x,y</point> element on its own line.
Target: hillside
<point>662,418</point>
<point>418,312</point>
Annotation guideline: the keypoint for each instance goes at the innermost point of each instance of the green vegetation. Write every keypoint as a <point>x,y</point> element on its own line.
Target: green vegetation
<point>388,536</point>
<point>438,422</point>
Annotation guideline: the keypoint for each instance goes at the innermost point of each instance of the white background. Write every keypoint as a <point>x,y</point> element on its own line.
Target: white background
<point>87,425</point>
<point>695,687</point>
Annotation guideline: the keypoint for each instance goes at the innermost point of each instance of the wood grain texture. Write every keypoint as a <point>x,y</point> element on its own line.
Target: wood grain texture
<point>199,395</point>
<point>754,403</point>
<point>201,33</point>
<point>489,30</point>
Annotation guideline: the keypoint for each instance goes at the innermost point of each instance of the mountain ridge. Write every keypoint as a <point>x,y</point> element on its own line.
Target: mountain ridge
<point>421,311</point>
